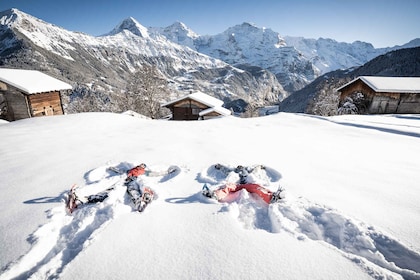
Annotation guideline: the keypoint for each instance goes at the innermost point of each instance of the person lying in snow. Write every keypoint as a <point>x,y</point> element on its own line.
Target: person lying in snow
<point>135,188</point>
<point>222,192</point>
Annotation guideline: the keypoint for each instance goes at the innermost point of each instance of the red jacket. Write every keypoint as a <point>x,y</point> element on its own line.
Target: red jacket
<point>136,171</point>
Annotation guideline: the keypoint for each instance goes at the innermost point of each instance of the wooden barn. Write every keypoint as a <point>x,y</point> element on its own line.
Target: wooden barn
<point>29,93</point>
<point>385,95</point>
<point>196,106</point>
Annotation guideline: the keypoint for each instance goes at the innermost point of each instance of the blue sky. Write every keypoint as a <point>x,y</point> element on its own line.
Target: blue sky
<point>383,23</point>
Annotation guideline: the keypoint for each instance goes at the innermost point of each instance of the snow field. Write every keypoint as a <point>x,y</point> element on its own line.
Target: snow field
<point>342,175</point>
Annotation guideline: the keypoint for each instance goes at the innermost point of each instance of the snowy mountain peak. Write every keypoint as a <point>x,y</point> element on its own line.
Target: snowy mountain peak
<point>250,34</point>
<point>180,28</point>
<point>28,24</point>
<point>8,17</point>
<point>45,35</point>
<point>13,16</point>
<point>131,25</point>
<point>248,27</point>
<point>178,33</point>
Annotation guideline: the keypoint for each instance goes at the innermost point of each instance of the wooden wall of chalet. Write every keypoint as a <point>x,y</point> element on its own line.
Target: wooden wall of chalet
<point>16,103</point>
<point>357,86</point>
<point>384,102</point>
<point>187,109</point>
<point>409,103</point>
<point>45,104</point>
<point>21,105</point>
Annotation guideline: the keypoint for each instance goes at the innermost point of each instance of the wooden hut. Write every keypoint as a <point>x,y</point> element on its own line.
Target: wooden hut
<point>29,93</point>
<point>196,106</point>
<point>385,95</point>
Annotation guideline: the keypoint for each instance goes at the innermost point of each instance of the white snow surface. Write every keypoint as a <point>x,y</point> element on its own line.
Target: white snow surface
<point>351,209</point>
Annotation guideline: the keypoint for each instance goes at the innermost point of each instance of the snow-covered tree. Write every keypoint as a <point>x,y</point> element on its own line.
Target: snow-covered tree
<point>86,98</point>
<point>353,104</point>
<point>348,107</point>
<point>326,98</point>
<point>145,92</point>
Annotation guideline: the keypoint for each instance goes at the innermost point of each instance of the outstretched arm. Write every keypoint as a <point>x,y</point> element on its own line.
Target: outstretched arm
<point>151,173</point>
<point>226,170</point>
<point>255,168</point>
<point>160,173</point>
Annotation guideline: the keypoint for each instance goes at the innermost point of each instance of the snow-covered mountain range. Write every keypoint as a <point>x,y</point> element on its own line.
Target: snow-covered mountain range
<point>296,61</point>
<point>243,63</point>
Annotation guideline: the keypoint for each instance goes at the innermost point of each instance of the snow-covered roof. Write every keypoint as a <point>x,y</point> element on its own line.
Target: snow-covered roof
<point>31,81</point>
<point>389,84</point>
<point>222,111</point>
<point>199,97</point>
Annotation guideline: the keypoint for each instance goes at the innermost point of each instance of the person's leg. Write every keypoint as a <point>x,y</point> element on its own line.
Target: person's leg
<point>134,190</point>
<point>262,192</point>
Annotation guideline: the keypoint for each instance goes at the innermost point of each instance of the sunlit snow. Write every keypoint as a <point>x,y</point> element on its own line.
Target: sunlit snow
<point>351,209</point>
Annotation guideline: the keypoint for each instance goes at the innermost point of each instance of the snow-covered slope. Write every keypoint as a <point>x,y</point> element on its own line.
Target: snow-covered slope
<point>351,207</point>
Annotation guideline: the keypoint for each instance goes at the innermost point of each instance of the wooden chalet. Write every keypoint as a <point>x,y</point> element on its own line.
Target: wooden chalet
<point>29,93</point>
<point>196,106</point>
<point>386,95</point>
